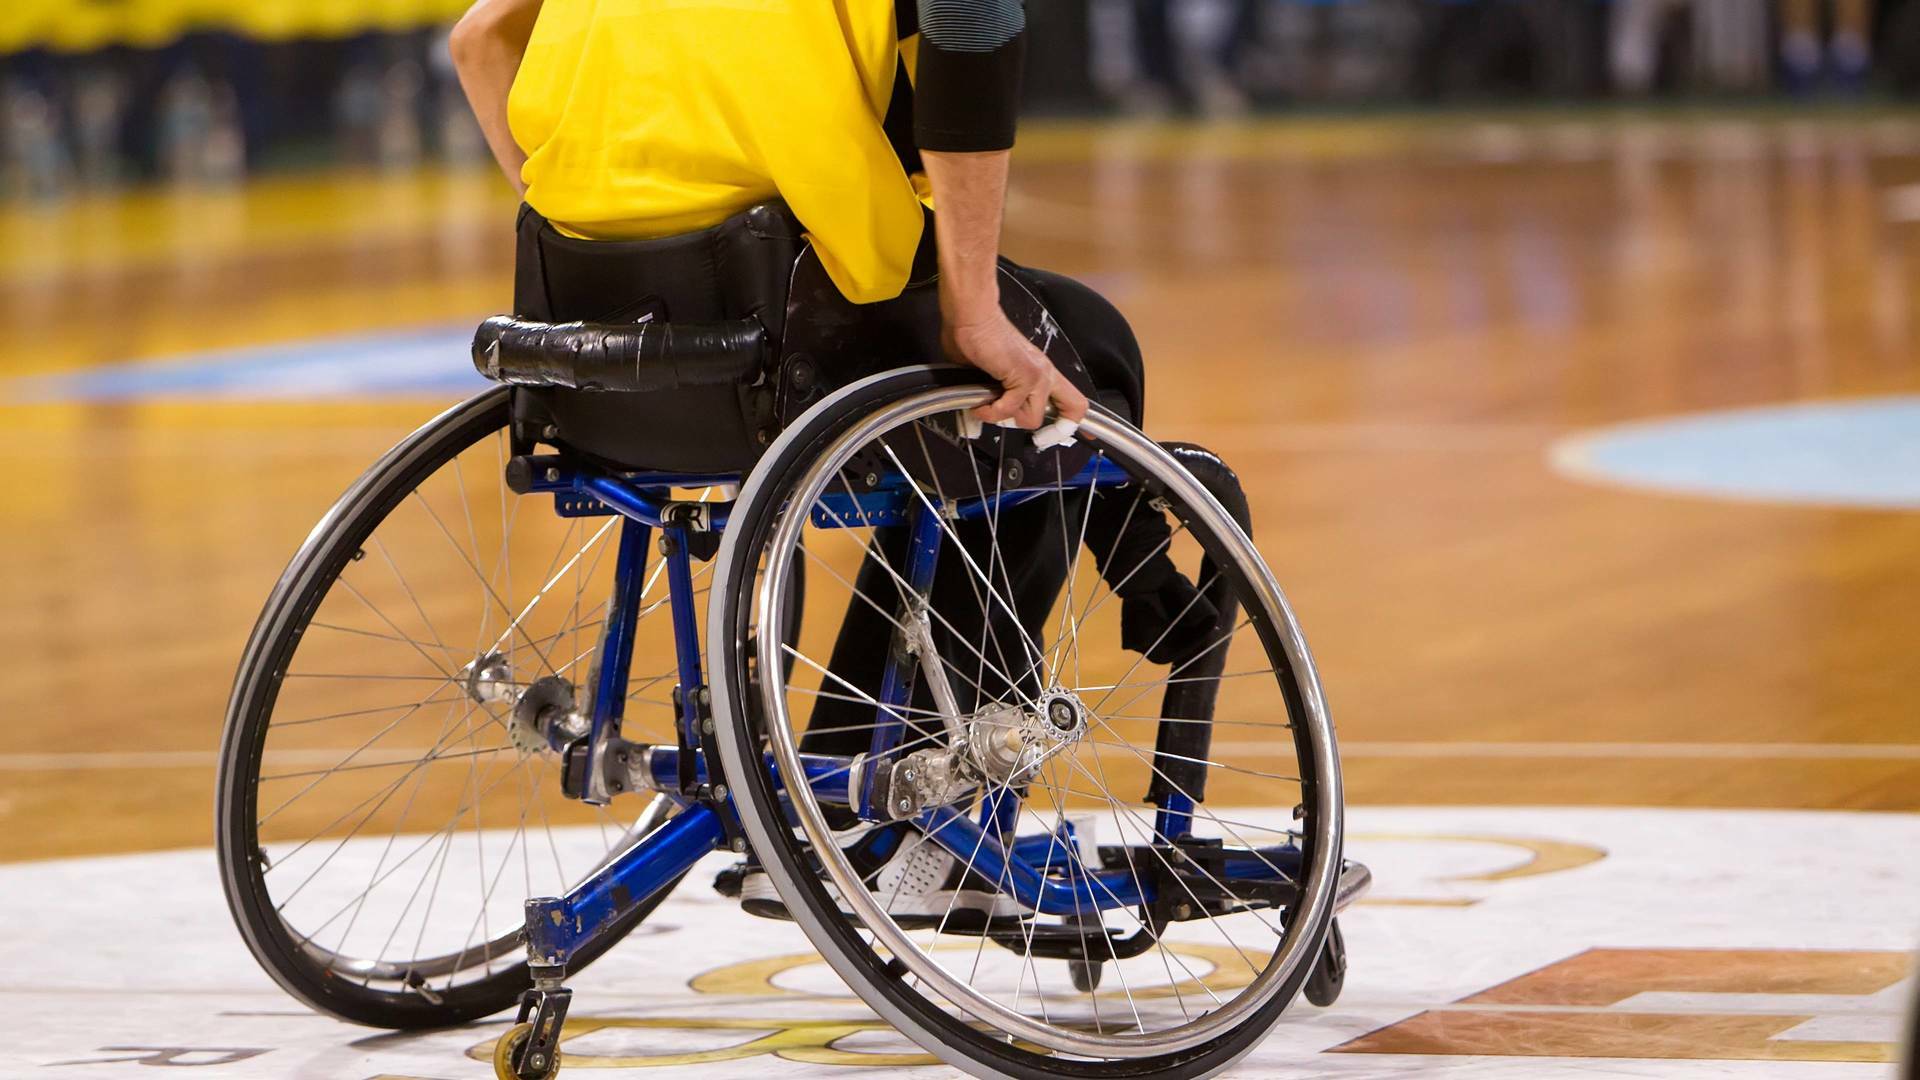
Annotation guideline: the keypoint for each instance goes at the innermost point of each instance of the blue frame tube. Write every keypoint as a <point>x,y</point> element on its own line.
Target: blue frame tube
<point>892,504</point>
<point>827,775</point>
<point>634,503</point>
<point>1037,848</point>
<point>686,634</point>
<point>1000,814</point>
<point>1077,893</point>
<point>896,681</point>
<point>557,927</point>
<point>1175,819</point>
<point>616,643</point>
<point>642,496</point>
<point>1262,866</point>
<point>1097,891</point>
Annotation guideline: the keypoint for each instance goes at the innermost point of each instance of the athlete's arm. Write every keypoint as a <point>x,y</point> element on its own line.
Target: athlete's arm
<point>487,44</point>
<point>970,193</point>
<point>966,98</point>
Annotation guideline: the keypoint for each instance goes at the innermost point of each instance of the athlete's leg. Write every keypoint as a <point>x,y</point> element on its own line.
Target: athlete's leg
<point>1849,48</point>
<point>1100,334</point>
<point>1635,44</point>
<point>1032,559</point>
<point>1800,40</point>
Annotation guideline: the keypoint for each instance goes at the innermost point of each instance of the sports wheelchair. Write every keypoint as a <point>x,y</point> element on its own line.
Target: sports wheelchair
<point>446,785</point>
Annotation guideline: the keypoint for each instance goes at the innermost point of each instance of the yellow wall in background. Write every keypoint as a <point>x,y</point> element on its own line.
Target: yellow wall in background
<point>70,26</point>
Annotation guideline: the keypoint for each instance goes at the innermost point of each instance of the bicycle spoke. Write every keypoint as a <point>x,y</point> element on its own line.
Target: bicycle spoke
<point>371,845</point>
<point>1051,761</point>
<point>966,556</point>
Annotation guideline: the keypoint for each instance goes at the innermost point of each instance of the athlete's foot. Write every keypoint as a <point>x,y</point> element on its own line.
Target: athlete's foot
<point>916,881</point>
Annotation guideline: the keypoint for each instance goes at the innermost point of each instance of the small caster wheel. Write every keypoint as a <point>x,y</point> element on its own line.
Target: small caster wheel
<point>1330,971</point>
<point>507,1054</point>
<point>1085,974</point>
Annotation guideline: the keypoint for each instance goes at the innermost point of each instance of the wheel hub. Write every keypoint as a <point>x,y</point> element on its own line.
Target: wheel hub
<point>1009,741</point>
<point>1061,716</point>
<point>536,714</point>
<point>489,680</point>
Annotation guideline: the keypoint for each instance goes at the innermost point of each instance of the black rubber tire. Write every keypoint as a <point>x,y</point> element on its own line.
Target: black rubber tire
<point>256,687</point>
<point>1085,974</point>
<point>929,1024</point>
<point>1330,970</point>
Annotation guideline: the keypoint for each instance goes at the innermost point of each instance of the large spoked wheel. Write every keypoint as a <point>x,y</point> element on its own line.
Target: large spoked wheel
<point>1071,685</point>
<point>382,815</point>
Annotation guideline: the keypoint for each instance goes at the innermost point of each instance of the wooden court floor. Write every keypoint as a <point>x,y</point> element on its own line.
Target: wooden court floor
<point>1384,324</point>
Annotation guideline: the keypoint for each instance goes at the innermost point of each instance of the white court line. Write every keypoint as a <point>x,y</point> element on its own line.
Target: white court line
<point>1828,1005</point>
<point>1354,748</point>
<point>1732,1007</point>
<point>202,759</point>
<point>1360,748</point>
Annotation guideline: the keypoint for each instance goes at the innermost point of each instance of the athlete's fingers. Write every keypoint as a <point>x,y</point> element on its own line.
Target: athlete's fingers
<point>1072,403</point>
<point>1002,407</point>
<point>1033,409</point>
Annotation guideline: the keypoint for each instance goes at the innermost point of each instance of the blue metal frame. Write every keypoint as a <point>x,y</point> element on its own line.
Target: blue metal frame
<point>558,926</point>
<point>1033,869</point>
<point>1174,820</point>
<point>897,679</point>
<point>616,643</point>
<point>686,646</point>
<point>827,775</point>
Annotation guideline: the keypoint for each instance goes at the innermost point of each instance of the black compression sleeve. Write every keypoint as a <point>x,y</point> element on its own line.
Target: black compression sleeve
<point>967,87</point>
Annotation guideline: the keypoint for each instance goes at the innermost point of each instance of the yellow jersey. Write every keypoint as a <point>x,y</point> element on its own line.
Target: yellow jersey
<point>648,118</point>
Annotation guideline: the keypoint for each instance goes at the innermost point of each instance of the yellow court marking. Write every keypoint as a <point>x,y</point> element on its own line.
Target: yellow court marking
<point>814,1040</point>
<point>1229,970</point>
<point>809,1041</point>
<point>1543,856</point>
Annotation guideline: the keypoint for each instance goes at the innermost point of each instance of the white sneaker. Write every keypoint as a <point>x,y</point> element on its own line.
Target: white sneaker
<point>916,881</point>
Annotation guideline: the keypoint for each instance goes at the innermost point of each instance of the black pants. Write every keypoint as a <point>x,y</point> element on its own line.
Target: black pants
<point>990,656</point>
<point>1157,47</point>
<point>1099,333</point>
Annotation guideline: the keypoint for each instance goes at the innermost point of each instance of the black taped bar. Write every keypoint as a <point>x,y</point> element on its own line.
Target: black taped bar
<point>1180,749</point>
<point>626,357</point>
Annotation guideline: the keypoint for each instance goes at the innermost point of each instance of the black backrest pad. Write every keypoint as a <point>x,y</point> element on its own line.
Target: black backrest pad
<point>740,268</point>
<point>755,265</point>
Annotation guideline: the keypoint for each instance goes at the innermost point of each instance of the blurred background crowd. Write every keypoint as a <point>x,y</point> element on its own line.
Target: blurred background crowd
<point>207,91</point>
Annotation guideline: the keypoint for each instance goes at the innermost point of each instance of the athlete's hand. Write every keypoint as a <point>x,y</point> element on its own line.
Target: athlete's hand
<point>994,345</point>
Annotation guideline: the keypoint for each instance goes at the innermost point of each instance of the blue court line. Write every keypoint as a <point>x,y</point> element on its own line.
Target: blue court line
<point>1862,453</point>
<point>430,361</point>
